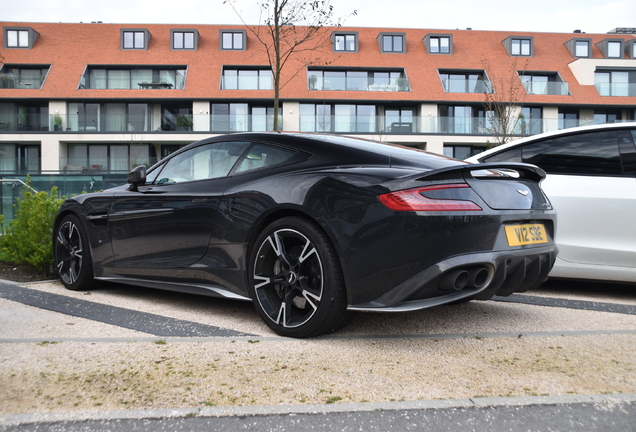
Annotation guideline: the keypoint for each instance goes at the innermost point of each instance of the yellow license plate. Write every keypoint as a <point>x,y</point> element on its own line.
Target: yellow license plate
<point>526,234</point>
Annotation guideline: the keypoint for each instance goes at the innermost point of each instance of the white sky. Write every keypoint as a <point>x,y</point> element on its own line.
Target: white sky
<point>562,16</point>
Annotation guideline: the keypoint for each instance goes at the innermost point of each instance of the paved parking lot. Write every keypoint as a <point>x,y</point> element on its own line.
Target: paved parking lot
<point>127,348</point>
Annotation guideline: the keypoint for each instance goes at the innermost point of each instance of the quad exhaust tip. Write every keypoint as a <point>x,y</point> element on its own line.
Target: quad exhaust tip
<point>471,277</point>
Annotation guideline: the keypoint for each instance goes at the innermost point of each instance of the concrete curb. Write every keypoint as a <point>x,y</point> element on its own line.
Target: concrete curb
<point>265,410</point>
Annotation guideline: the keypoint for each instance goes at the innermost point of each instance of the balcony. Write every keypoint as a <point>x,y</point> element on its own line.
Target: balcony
<point>464,85</point>
<point>122,123</point>
<point>103,165</point>
<point>357,84</point>
<point>616,89</point>
<point>342,124</point>
<point>21,122</point>
<point>547,88</point>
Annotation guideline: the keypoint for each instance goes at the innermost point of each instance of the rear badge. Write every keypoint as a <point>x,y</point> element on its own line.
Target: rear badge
<point>523,192</point>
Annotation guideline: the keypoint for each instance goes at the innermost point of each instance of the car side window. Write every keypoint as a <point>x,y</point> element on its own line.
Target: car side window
<point>203,162</point>
<point>261,156</point>
<point>593,153</point>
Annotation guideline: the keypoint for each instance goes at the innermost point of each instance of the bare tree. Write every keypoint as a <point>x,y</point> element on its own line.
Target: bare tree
<point>504,99</point>
<point>290,29</point>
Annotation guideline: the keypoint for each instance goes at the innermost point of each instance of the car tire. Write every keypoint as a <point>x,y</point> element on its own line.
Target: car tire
<point>72,255</point>
<point>296,281</point>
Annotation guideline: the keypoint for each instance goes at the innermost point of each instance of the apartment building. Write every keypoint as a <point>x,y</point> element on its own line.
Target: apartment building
<point>88,101</point>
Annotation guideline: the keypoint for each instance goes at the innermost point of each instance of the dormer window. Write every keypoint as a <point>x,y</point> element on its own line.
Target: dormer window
<point>134,39</point>
<point>439,44</point>
<point>392,42</point>
<point>519,46</point>
<point>344,42</point>
<point>580,47</point>
<point>184,39</point>
<point>611,48</point>
<point>19,37</point>
<point>233,40</point>
<point>630,48</point>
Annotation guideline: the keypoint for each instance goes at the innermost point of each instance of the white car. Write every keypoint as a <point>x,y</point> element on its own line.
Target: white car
<point>591,183</point>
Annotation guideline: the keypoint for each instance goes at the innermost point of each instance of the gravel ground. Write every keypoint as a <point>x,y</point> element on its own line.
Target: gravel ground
<point>379,357</point>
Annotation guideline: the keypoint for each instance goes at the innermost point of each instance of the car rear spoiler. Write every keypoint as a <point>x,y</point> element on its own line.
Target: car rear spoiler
<point>461,172</point>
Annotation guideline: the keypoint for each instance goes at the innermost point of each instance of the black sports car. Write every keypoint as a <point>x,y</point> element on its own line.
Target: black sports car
<point>312,227</point>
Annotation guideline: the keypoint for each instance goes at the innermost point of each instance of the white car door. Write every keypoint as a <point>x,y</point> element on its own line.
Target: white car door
<point>595,218</point>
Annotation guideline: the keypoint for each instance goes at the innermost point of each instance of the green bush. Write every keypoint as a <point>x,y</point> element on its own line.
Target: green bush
<point>27,238</point>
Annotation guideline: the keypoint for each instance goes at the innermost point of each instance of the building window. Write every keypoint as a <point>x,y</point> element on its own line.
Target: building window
<point>580,48</point>
<point>19,37</point>
<point>611,48</point>
<point>530,121</point>
<point>439,44</point>
<point>23,77</point>
<point>134,39</point>
<point>233,40</point>
<point>176,117</point>
<point>615,83</point>
<point>164,77</point>
<point>392,43</point>
<point>247,79</point>
<point>345,119</point>
<point>568,119</point>
<point>399,121</point>
<point>462,119</point>
<point>344,42</point>
<point>109,117</point>
<point>24,117</point>
<point>614,49</point>
<point>519,47</point>
<point>605,117</point>
<point>465,81</point>
<point>462,152</point>
<point>19,158</point>
<point>543,84</point>
<point>630,48</point>
<point>107,157</point>
<point>358,80</point>
<point>241,117</point>
<point>184,39</point>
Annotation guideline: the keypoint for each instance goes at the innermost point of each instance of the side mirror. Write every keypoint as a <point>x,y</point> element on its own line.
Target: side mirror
<point>136,177</point>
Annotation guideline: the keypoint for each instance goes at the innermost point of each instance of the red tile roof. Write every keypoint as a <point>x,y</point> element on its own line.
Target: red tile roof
<point>69,48</point>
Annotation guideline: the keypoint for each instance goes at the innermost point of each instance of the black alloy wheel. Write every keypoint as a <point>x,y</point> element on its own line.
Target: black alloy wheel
<point>72,254</point>
<point>296,283</point>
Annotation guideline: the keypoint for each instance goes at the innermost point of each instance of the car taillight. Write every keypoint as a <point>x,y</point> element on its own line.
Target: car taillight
<point>413,200</point>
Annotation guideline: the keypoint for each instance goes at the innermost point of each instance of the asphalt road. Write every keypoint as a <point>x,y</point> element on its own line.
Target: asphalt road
<point>173,317</point>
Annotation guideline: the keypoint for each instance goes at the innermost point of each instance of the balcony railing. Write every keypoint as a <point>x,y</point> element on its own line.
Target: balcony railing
<point>616,89</point>
<point>357,84</point>
<point>102,165</point>
<point>24,122</point>
<point>547,88</point>
<point>467,86</point>
<point>122,123</point>
<point>340,124</point>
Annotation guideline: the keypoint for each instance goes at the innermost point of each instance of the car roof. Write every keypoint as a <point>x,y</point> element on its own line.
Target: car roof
<point>367,151</point>
<point>542,136</point>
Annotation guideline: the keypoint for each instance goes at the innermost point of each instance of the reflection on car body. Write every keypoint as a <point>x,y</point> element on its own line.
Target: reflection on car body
<point>312,227</point>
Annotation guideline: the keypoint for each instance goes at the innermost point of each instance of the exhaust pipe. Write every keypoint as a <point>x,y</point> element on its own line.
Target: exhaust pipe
<point>454,280</point>
<point>477,277</point>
